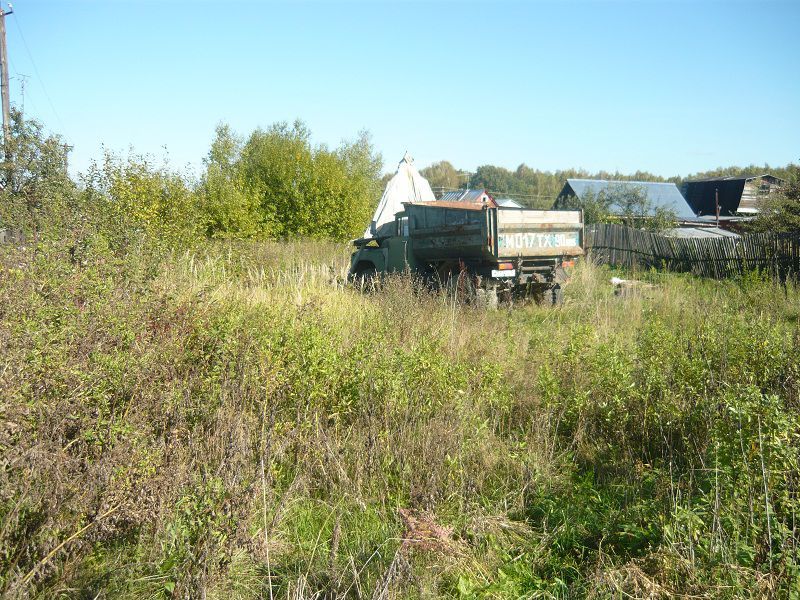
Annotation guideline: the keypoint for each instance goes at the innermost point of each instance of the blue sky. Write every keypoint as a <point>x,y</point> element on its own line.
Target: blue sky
<point>668,87</point>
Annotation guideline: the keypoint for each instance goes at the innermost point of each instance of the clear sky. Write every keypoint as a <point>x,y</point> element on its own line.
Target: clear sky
<point>668,87</point>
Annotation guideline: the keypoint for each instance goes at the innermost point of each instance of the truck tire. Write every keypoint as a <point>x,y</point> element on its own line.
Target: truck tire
<point>430,281</point>
<point>461,287</point>
<point>365,279</point>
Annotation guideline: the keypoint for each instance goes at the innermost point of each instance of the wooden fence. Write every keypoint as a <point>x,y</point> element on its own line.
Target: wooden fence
<point>777,254</point>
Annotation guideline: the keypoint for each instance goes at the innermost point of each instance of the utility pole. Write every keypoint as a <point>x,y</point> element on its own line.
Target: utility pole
<point>4,89</point>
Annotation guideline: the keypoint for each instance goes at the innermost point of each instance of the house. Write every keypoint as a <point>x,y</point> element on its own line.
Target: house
<point>658,195</point>
<point>469,196</point>
<point>737,195</point>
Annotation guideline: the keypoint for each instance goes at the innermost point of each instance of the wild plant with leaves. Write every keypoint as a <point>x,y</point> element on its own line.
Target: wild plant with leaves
<point>183,417</point>
<point>233,422</point>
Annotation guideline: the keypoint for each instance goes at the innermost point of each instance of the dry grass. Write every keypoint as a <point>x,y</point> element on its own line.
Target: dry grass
<point>237,423</point>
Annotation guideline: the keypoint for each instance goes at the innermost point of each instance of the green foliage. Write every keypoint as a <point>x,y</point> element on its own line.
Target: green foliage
<point>35,189</point>
<point>634,208</point>
<point>443,175</point>
<point>228,209</point>
<point>781,212</point>
<point>121,202</point>
<point>621,202</point>
<point>226,422</point>
<point>660,219</point>
<point>128,199</point>
<point>596,207</point>
<point>494,178</point>
<point>255,426</point>
<point>277,184</point>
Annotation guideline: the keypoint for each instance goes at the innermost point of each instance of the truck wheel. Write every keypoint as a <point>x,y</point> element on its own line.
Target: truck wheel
<point>430,281</point>
<point>461,287</point>
<point>365,279</point>
<point>506,298</point>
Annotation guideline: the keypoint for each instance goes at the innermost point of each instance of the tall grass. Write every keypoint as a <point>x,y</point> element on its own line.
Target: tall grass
<point>234,422</point>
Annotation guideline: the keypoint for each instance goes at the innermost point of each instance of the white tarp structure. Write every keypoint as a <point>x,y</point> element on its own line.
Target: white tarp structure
<point>407,185</point>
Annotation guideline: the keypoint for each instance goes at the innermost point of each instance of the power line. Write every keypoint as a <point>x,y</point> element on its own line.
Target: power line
<point>39,77</point>
<point>23,82</point>
<point>23,79</point>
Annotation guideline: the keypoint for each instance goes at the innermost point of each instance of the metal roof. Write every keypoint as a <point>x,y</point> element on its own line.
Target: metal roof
<point>666,195</point>
<point>734,178</point>
<point>724,219</point>
<point>474,196</point>
<point>700,232</point>
<point>508,203</point>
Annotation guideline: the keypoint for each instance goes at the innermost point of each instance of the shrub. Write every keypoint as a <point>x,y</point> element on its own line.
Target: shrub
<point>35,189</point>
<point>126,199</point>
<point>278,184</point>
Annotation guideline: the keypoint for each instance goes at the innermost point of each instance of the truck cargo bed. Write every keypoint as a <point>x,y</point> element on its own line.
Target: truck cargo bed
<point>447,230</point>
<point>525,232</point>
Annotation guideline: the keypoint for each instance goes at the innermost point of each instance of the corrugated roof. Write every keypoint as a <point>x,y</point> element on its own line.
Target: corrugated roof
<point>723,219</point>
<point>508,203</point>
<point>700,232</point>
<point>734,178</point>
<point>453,196</point>
<point>721,179</point>
<point>466,196</point>
<point>666,195</point>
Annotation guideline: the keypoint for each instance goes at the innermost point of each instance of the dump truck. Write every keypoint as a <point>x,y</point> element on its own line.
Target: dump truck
<point>478,251</point>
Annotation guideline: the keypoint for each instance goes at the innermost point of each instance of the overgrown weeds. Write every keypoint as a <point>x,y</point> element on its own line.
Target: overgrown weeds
<point>234,422</point>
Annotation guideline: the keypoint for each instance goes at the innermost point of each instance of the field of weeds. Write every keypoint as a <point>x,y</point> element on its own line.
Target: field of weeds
<point>233,422</point>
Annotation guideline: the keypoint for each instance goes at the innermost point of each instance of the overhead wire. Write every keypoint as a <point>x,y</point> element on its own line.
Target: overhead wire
<point>39,78</point>
<point>22,77</point>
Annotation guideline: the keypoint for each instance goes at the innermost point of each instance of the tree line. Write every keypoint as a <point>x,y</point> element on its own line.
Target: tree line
<point>536,188</point>
<point>273,183</point>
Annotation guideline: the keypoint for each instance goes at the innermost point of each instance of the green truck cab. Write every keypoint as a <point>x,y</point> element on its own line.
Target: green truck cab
<point>482,249</point>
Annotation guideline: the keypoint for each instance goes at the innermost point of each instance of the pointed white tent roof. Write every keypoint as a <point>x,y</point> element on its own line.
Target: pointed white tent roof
<point>407,185</point>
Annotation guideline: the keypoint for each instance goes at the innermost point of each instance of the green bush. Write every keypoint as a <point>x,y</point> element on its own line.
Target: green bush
<point>278,184</point>
<point>35,189</point>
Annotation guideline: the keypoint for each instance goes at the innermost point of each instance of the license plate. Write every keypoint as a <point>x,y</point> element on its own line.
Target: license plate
<point>507,273</point>
<point>532,240</point>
